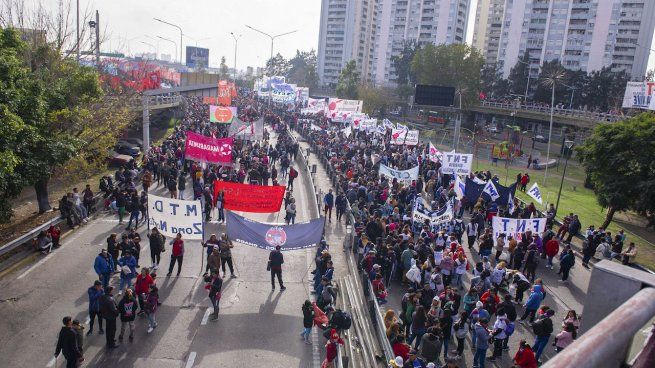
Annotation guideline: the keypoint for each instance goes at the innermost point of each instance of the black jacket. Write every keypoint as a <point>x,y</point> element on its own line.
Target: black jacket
<point>277,260</point>
<point>507,308</point>
<point>67,344</point>
<point>108,308</point>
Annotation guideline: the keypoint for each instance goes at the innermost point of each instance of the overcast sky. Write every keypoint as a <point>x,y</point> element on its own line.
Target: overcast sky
<point>210,23</point>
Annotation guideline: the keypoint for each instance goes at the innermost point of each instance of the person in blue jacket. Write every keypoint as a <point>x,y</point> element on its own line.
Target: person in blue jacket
<point>533,302</point>
<point>127,263</point>
<point>95,292</point>
<point>104,266</point>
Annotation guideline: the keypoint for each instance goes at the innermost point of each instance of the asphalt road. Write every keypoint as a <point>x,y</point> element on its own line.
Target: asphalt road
<point>256,326</point>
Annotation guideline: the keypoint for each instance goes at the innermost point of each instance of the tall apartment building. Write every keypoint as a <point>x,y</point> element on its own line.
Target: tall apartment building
<point>346,33</point>
<point>583,34</point>
<point>373,31</point>
<point>488,25</point>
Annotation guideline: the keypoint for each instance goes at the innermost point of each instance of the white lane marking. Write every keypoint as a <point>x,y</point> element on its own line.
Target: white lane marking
<point>49,256</point>
<point>205,318</point>
<point>52,362</point>
<point>32,267</point>
<point>191,360</point>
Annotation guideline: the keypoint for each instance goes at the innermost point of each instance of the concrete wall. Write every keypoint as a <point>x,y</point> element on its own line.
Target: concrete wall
<point>195,78</point>
<point>611,285</point>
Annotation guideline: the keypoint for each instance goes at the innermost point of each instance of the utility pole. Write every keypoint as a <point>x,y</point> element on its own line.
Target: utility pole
<point>77,43</point>
<point>97,39</point>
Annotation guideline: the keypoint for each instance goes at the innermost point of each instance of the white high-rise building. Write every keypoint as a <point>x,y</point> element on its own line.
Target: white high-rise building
<point>583,34</point>
<point>373,31</point>
<point>346,33</point>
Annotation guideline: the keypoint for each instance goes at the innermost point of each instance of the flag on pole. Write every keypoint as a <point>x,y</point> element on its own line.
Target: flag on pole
<point>491,190</point>
<point>460,187</point>
<point>535,193</point>
<point>510,204</point>
<point>433,153</point>
<point>402,127</point>
<point>387,124</point>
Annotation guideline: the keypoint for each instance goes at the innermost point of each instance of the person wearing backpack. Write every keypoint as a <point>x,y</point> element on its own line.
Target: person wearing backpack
<point>531,262</point>
<point>293,174</point>
<point>508,309</point>
<point>461,329</point>
<point>542,328</point>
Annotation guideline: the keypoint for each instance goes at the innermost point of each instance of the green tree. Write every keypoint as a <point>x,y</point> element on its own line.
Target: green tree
<point>518,75</point>
<point>492,84</point>
<point>302,69</point>
<point>619,159</point>
<point>277,66</point>
<point>376,100</point>
<point>54,103</point>
<point>455,65</point>
<point>604,89</point>
<point>402,63</point>
<point>348,81</point>
<point>552,70</point>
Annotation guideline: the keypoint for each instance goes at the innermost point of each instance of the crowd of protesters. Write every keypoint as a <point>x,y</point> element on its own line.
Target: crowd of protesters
<point>124,288</point>
<point>439,309</point>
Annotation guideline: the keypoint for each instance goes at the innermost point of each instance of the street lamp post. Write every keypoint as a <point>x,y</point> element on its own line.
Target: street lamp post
<point>569,145</point>
<point>527,85</point>
<point>176,26</point>
<point>236,42</point>
<point>171,41</point>
<point>272,37</point>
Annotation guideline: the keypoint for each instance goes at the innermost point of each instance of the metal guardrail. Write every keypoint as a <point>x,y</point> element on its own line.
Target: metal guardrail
<point>608,338</point>
<point>370,300</point>
<point>27,237</point>
<point>570,113</point>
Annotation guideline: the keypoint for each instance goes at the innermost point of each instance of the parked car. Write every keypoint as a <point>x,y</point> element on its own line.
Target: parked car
<point>540,138</point>
<point>116,159</point>
<point>493,129</point>
<point>135,141</point>
<point>126,148</point>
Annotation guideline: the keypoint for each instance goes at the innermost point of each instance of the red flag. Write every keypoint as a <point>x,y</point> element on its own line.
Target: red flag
<point>250,198</point>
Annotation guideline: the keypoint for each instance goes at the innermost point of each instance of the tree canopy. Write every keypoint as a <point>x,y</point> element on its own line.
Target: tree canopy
<point>456,65</point>
<point>302,69</point>
<point>619,159</point>
<point>50,111</point>
<point>348,81</point>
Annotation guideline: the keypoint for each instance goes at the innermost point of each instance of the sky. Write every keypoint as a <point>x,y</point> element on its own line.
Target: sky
<point>208,23</point>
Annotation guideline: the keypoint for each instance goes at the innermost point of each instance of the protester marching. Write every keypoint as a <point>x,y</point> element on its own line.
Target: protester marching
<point>412,206</point>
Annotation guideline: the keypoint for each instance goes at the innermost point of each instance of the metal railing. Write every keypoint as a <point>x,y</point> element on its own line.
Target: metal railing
<point>569,113</point>
<point>607,339</point>
<point>362,286</point>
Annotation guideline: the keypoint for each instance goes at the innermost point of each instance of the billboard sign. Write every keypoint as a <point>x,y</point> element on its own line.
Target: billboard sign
<point>197,57</point>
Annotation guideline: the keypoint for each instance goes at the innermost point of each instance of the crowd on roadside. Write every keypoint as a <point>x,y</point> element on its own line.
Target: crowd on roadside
<point>433,262</point>
<point>124,288</point>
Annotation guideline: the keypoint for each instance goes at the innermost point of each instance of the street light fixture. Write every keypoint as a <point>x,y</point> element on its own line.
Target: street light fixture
<point>176,26</point>
<point>174,44</point>
<point>236,42</point>
<point>556,76</point>
<point>272,37</point>
<point>527,85</point>
<point>568,145</point>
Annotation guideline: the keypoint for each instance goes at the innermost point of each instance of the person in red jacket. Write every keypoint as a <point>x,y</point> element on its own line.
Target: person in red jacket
<point>177,254</point>
<point>401,348</point>
<point>331,349</point>
<point>524,357</point>
<point>142,287</point>
<point>552,248</point>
